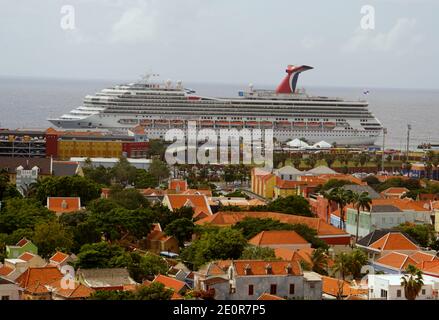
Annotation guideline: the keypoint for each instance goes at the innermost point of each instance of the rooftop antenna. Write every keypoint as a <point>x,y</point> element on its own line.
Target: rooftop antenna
<point>147,76</point>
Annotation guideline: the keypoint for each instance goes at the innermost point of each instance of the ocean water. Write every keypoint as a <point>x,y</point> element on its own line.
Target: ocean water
<point>27,103</point>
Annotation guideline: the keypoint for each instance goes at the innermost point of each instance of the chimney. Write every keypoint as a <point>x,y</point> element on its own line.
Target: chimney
<point>64,204</point>
<point>289,268</point>
<point>247,269</point>
<point>268,269</point>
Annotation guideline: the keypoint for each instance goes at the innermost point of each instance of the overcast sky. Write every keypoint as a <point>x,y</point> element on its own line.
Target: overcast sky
<point>227,41</point>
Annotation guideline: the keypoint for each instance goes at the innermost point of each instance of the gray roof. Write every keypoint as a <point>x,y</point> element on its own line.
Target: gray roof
<point>288,170</point>
<point>321,170</point>
<point>106,277</point>
<point>385,208</point>
<point>359,189</point>
<point>12,163</point>
<point>64,168</point>
<point>378,234</point>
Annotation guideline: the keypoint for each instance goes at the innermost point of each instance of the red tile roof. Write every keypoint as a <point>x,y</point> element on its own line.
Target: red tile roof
<point>26,256</point>
<point>281,237</point>
<point>332,286</point>
<point>64,204</point>
<point>198,202</point>
<point>303,254</point>
<point>430,267</point>
<point>79,292</point>
<point>260,267</point>
<point>4,270</point>
<point>59,257</point>
<point>396,260</point>
<point>41,276</point>
<point>178,185</point>
<point>267,296</point>
<point>394,241</point>
<point>230,218</point>
<point>395,191</point>
<point>169,282</point>
<point>22,242</point>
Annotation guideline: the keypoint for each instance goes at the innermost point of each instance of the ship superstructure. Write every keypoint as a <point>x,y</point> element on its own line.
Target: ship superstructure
<point>289,112</point>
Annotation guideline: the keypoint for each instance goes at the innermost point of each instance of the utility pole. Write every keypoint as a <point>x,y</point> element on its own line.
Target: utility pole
<point>384,142</point>
<point>409,127</point>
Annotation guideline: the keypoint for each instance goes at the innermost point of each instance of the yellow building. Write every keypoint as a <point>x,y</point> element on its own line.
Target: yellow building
<point>263,182</point>
<point>285,188</point>
<point>89,148</point>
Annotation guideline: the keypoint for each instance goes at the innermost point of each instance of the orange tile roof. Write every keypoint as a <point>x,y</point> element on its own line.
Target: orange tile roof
<point>267,296</point>
<point>64,204</point>
<point>22,242</point>
<point>59,257</point>
<point>40,275</point>
<point>259,267</point>
<point>396,260</point>
<point>230,218</point>
<point>331,287</point>
<point>288,184</point>
<point>395,191</point>
<point>393,241</point>
<point>303,254</point>
<point>420,256</point>
<point>169,282</point>
<point>429,267</point>
<point>198,202</point>
<point>277,237</point>
<point>4,270</point>
<point>178,184</point>
<point>79,292</point>
<point>404,204</point>
<point>26,256</point>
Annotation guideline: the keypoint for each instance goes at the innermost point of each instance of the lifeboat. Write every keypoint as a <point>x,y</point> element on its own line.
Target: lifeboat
<point>207,123</point>
<point>222,123</point>
<point>162,122</point>
<point>236,123</point>
<point>266,123</point>
<point>283,123</point>
<point>251,124</point>
<point>145,122</point>
<point>329,124</point>
<point>313,124</point>
<point>177,122</point>
<point>299,124</point>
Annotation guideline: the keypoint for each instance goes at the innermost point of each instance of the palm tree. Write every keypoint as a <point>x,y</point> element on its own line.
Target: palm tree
<point>360,201</point>
<point>342,197</point>
<point>342,265</point>
<point>319,260</point>
<point>412,282</point>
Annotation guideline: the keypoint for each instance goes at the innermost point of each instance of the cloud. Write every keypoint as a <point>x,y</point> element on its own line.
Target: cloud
<point>400,38</point>
<point>136,25</point>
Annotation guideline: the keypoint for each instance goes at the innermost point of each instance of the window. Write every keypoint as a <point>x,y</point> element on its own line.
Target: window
<point>273,289</point>
<point>5,297</point>
<point>292,288</point>
<point>250,290</point>
<point>423,292</point>
<point>383,293</point>
<point>398,293</point>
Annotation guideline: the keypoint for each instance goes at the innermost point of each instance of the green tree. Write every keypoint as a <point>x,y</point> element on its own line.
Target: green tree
<point>296,205</point>
<point>152,265</point>
<point>23,214</point>
<point>357,259</point>
<point>424,234</point>
<point>341,265</point>
<point>182,229</point>
<point>412,282</point>
<point>123,172</point>
<point>153,291</point>
<point>145,179</point>
<point>66,186</point>
<point>319,259</point>
<point>157,148</point>
<point>360,201</point>
<point>100,174</point>
<point>223,244</point>
<point>99,255</point>
<point>258,253</point>
<point>128,198</point>
<point>112,295</point>
<point>342,197</point>
<point>50,237</point>
<point>159,170</point>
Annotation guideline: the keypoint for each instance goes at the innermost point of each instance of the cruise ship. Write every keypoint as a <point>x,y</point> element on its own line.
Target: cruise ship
<point>290,112</point>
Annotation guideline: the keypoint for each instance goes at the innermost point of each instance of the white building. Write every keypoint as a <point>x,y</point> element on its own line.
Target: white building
<point>388,287</point>
<point>9,290</point>
<point>111,162</point>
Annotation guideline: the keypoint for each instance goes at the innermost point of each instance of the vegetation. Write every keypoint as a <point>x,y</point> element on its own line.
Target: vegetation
<point>424,234</point>
<point>360,201</point>
<point>226,243</point>
<point>153,291</point>
<point>349,264</point>
<point>296,205</point>
<point>258,253</point>
<point>412,282</point>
